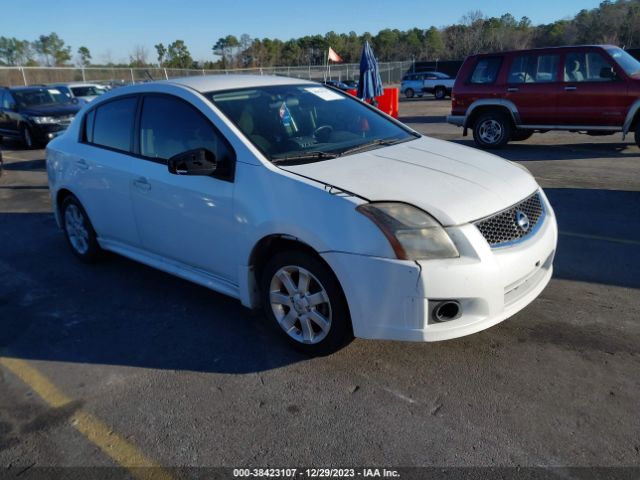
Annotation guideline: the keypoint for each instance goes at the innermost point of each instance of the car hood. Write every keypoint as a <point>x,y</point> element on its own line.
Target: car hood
<point>52,110</point>
<point>454,183</point>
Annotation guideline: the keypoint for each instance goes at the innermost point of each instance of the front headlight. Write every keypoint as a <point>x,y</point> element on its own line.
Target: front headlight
<point>413,234</point>
<point>42,120</point>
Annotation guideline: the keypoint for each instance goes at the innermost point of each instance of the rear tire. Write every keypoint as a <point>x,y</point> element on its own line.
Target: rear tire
<point>303,300</point>
<point>439,93</point>
<point>492,130</point>
<point>80,235</point>
<point>409,93</point>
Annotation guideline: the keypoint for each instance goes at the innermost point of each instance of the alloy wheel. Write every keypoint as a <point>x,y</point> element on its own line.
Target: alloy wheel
<point>74,223</point>
<point>300,304</point>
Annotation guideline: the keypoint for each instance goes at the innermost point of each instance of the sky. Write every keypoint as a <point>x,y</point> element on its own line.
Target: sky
<point>112,28</point>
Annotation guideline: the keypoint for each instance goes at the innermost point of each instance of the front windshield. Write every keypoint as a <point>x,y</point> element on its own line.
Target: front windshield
<point>34,97</point>
<point>629,64</point>
<point>88,91</point>
<point>310,122</point>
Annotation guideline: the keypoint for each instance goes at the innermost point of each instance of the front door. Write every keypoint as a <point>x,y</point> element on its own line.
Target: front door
<point>590,95</point>
<point>532,86</point>
<point>179,217</point>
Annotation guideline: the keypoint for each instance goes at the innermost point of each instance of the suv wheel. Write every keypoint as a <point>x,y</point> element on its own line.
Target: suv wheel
<point>409,93</point>
<point>492,130</point>
<point>26,136</point>
<point>78,230</point>
<point>303,299</point>
<point>440,93</point>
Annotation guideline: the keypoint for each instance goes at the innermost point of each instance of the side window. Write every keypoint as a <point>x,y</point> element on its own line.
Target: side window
<point>113,124</point>
<point>486,70</point>
<point>169,126</point>
<point>87,135</point>
<point>534,69</point>
<point>586,67</point>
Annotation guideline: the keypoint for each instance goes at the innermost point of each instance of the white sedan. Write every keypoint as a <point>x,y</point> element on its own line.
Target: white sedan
<point>336,219</point>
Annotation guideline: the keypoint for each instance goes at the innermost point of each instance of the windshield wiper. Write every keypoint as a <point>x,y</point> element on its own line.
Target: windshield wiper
<point>374,143</point>
<point>314,155</point>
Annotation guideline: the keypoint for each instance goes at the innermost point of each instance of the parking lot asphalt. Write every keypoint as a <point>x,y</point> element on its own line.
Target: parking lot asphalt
<point>117,363</point>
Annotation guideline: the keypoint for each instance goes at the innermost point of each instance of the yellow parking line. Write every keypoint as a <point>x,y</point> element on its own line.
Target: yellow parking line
<point>600,237</point>
<point>94,429</point>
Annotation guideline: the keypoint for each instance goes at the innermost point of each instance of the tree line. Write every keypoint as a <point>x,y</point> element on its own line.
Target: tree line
<point>615,22</point>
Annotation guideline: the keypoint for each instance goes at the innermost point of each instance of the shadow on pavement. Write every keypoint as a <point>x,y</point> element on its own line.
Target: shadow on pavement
<point>599,235</point>
<point>26,165</point>
<point>120,312</point>
<point>552,151</point>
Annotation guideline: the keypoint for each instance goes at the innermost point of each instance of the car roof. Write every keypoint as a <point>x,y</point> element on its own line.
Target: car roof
<point>211,83</point>
<point>537,49</point>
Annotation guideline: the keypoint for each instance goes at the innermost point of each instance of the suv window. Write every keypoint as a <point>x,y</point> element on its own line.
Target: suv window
<point>486,70</point>
<point>113,123</point>
<point>534,69</point>
<point>586,67</point>
<point>169,126</point>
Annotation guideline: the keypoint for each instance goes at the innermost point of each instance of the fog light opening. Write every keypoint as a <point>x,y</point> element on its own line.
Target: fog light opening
<point>446,311</point>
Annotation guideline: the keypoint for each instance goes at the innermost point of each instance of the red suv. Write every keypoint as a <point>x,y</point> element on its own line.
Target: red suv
<point>508,96</point>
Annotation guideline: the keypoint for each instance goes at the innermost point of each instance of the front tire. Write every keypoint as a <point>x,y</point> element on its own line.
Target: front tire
<point>409,93</point>
<point>26,135</point>
<point>492,130</point>
<point>79,232</point>
<point>304,301</point>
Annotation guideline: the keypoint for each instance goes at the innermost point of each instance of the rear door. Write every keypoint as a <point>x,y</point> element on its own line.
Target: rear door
<point>101,169</point>
<point>185,218</point>
<point>589,95</point>
<point>532,85</point>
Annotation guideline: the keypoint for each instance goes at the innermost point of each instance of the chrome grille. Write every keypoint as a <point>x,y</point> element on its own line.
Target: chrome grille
<point>502,228</point>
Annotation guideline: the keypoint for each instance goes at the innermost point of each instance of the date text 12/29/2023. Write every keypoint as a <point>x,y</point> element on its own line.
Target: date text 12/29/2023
<point>316,472</point>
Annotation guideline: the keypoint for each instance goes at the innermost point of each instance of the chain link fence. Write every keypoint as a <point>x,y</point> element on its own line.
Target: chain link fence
<point>390,72</point>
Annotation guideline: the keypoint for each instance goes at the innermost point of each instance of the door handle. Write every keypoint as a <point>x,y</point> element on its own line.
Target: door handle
<point>82,163</point>
<point>141,183</point>
<point>570,89</point>
<point>512,89</point>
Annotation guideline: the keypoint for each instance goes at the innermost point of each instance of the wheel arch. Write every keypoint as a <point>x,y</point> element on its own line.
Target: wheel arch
<point>267,247</point>
<point>632,118</point>
<point>482,106</point>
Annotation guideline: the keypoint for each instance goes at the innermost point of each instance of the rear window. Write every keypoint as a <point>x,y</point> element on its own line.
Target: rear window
<point>113,124</point>
<point>486,70</point>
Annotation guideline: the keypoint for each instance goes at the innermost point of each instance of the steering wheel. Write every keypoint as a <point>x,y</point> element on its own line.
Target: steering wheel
<point>322,133</point>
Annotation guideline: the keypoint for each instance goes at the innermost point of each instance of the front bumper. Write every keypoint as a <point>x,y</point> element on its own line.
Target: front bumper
<point>457,120</point>
<point>43,133</point>
<point>393,299</point>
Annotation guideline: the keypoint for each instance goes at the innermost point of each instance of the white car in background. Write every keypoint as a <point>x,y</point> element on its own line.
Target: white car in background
<point>335,218</point>
<point>82,91</point>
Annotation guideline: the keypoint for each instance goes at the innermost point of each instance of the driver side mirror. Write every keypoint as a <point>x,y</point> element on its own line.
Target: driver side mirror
<point>608,72</point>
<point>193,162</point>
<point>13,107</point>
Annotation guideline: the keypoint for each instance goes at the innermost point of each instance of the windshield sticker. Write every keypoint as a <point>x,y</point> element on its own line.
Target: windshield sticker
<point>324,93</point>
<point>53,91</point>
